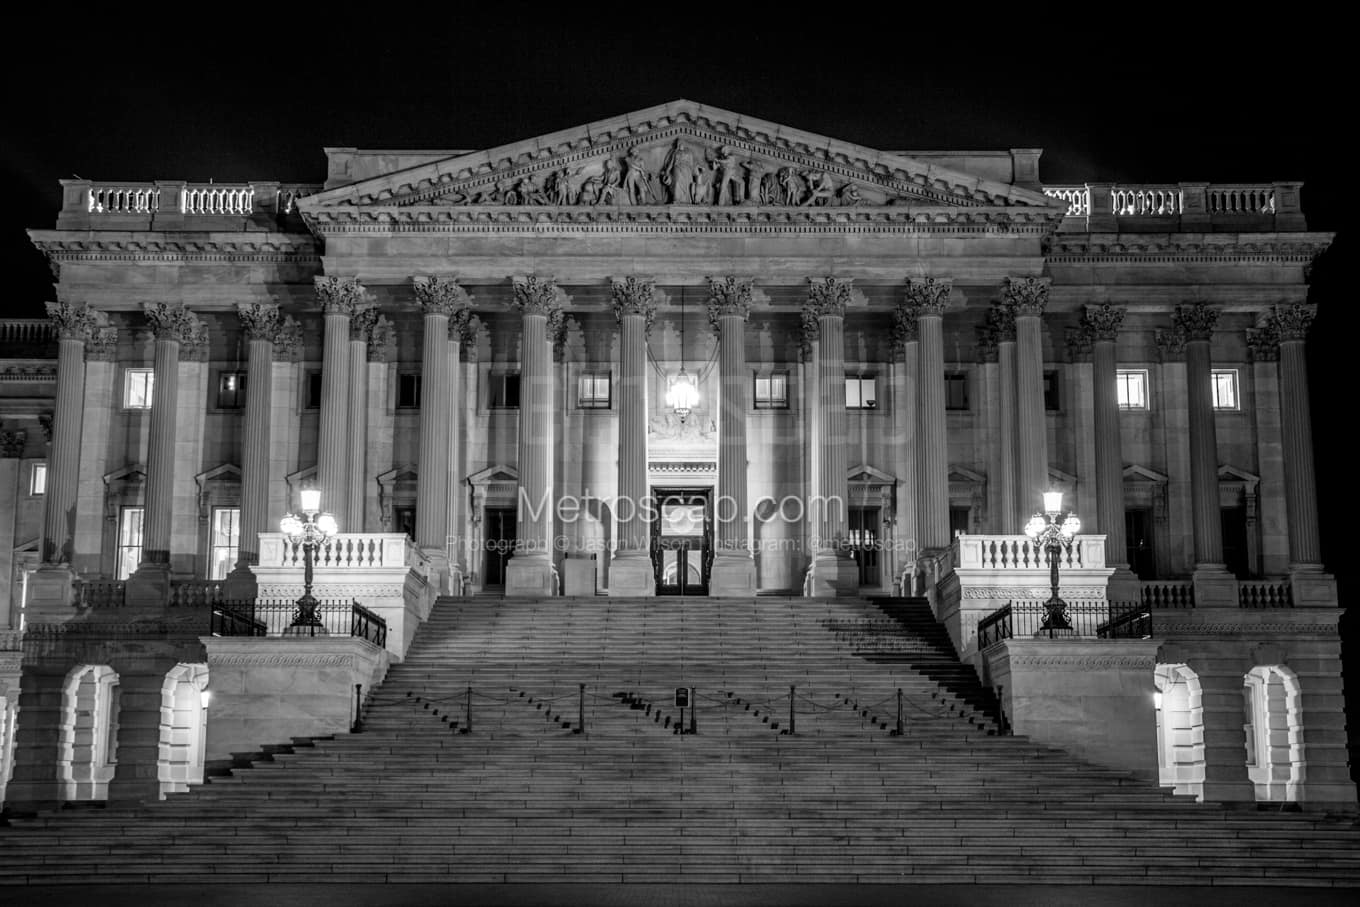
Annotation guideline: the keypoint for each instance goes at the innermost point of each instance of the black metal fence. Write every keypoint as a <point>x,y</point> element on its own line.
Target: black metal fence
<point>1090,619</point>
<point>280,618</point>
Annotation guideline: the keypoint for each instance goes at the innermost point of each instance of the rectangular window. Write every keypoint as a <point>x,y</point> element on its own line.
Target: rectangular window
<point>1132,388</point>
<point>311,397</point>
<point>225,541</point>
<point>772,391</point>
<point>137,386</point>
<point>129,541</point>
<point>37,479</point>
<point>592,390</point>
<point>1225,388</point>
<point>956,390</point>
<point>860,392</point>
<point>1052,398</point>
<point>231,390</point>
<point>958,520</point>
<point>408,391</point>
<point>504,391</point>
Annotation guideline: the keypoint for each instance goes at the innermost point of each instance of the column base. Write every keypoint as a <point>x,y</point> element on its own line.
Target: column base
<point>631,575</point>
<point>733,575</point>
<point>439,568</point>
<point>51,595</point>
<point>1123,585</point>
<point>834,574</point>
<point>149,586</point>
<point>1214,586</point>
<point>530,575</point>
<point>1312,587</point>
<point>240,585</point>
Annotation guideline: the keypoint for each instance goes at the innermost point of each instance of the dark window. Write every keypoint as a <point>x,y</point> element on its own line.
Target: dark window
<point>1235,554</point>
<point>771,391</point>
<point>592,390</point>
<point>504,391</point>
<point>312,399</point>
<point>231,390</point>
<point>860,392</point>
<point>956,390</point>
<point>1052,399</point>
<point>958,520</point>
<point>408,391</point>
<point>1138,540</point>
<point>404,519</point>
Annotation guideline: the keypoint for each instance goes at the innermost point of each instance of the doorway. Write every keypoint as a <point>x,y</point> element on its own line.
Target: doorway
<point>682,540</point>
<point>1138,543</point>
<point>499,543</point>
<point>864,523</point>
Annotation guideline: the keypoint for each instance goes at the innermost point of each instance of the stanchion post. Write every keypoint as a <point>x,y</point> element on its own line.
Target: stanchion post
<point>792,690</point>
<point>693,710</point>
<point>358,724</point>
<point>468,709</point>
<point>899,711</point>
<point>581,712</point>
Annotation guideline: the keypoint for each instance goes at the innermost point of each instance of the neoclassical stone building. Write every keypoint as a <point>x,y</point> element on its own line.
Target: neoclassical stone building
<point>892,355</point>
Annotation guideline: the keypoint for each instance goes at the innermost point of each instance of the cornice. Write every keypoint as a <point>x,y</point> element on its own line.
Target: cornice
<point>1182,247</point>
<point>62,246</point>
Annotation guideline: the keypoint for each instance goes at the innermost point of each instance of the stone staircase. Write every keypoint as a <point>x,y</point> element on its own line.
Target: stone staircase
<point>529,794</point>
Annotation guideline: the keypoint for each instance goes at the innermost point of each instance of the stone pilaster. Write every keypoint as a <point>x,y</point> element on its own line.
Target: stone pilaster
<point>929,297</point>
<point>1012,515</point>
<point>1213,584</point>
<point>907,347</point>
<point>733,573</point>
<point>1029,296</point>
<point>530,570</point>
<point>173,326</point>
<point>631,573</point>
<point>1103,323</point>
<point>339,297</point>
<point>35,782</point>
<point>261,324</point>
<point>834,572</point>
<point>811,410</point>
<point>137,776</point>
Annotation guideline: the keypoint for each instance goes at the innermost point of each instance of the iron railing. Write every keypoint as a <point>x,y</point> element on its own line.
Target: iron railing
<point>278,618</point>
<point>1088,619</point>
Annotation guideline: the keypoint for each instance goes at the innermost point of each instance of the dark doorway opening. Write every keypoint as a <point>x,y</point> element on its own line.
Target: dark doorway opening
<point>682,540</point>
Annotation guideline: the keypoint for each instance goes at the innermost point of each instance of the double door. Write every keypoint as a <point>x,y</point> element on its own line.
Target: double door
<point>682,540</point>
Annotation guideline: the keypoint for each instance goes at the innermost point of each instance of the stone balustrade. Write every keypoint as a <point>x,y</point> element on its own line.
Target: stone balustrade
<point>25,331</point>
<point>218,200</point>
<point>11,640</point>
<point>1017,552</point>
<point>168,203</point>
<point>1147,201</point>
<point>1078,198</point>
<point>124,198</point>
<point>346,550</point>
<point>1184,205</point>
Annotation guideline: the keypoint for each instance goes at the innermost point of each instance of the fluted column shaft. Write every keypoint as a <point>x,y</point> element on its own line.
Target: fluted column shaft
<point>835,485</point>
<point>357,433</point>
<point>432,480</point>
<point>1015,515</point>
<point>332,453</point>
<point>733,528</point>
<point>535,435</point>
<point>1299,475</point>
<point>255,449</point>
<point>1109,457</point>
<point>931,435</point>
<point>632,488</point>
<point>1207,523</point>
<point>63,462</point>
<point>160,457</point>
<point>908,469</point>
<point>1031,423</point>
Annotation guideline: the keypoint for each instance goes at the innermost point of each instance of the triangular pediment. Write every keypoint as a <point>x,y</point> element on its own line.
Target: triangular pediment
<point>673,157</point>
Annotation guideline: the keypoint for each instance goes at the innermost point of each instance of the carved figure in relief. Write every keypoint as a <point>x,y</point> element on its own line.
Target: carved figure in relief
<point>530,192</point>
<point>849,196</point>
<point>729,177</point>
<point>769,188</point>
<point>590,191</point>
<point>677,172</point>
<point>792,185</point>
<point>821,189</point>
<point>703,185</point>
<point>756,172</point>
<point>611,180</point>
<point>637,182</point>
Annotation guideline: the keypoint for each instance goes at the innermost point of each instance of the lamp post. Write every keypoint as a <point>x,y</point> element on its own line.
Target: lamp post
<point>311,528</point>
<point>1053,530</point>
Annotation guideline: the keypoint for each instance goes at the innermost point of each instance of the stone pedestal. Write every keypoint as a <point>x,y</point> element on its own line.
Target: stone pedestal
<point>531,575</point>
<point>834,573</point>
<point>1214,586</point>
<point>578,576</point>
<point>51,595</point>
<point>1311,587</point>
<point>631,574</point>
<point>149,586</point>
<point>732,575</point>
<point>1124,585</point>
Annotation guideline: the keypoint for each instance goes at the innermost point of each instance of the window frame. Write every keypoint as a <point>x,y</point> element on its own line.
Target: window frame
<point>124,568</point>
<point>770,401</point>
<point>419,388</point>
<point>1052,389</point>
<point>960,377</point>
<point>1236,404</point>
<point>593,401</point>
<point>1145,384</point>
<point>498,379</point>
<point>308,377</point>
<point>859,379</point>
<point>239,392</point>
<point>149,388</point>
<point>233,550</point>
<point>37,479</point>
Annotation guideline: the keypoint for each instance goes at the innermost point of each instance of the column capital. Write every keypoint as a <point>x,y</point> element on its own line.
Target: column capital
<point>536,295</point>
<point>1001,319</point>
<point>260,320</point>
<point>470,334</point>
<point>1263,343</point>
<point>362,320</point>
<point>1196,321</point>
<point>1292,321</point>
<point>1103,321</point>
<point>988,350</point>
<point>102,346</point>
<point>12,444</point>
<point>173,321</point>
<point>729,296</point>
<point>339,295</point>
<point>929,295</point>
<point>1080,342</point>
<point>633,296</point>
<point>906,326</point>
<point>441,295</point>
<point>1029,295</point>
<point>288,340</point>
<point>382,340</point>
<point>828,296</point>
<point>74,321</point>
<point>1170,345</point>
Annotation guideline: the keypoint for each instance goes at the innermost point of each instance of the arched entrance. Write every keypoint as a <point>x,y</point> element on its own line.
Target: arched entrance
<point>1180,729</point>
<point>88,751</point>
<point>183,728</point>
<point>1274,733</point>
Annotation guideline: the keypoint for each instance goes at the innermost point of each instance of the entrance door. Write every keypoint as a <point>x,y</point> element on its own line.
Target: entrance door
<point>1138,540</point>
<point>864,523</point>
<point>682,540</point>
<point>499,543</point>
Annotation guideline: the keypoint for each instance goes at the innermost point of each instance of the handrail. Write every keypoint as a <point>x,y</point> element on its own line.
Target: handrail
<point>1085,619</point>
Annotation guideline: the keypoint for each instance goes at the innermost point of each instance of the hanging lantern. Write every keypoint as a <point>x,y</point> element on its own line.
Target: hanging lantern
<point>683,395</point>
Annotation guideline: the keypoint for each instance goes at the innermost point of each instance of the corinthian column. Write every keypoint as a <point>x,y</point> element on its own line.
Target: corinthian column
<point>356,416</point>
<point>261,323</point>
<point>907,346</point>
<point>443,301</point>
<point>833,570</point>
<point>1028,296</point>
<point>631,573</point>
<point>1011,515</point>
<point>1102,322</point>
<point>339,298</point>
<point>734,572</point>
<point>173,326</point>
<point>530,570</point>
<point>929,297</point>
<point>1212,582</point>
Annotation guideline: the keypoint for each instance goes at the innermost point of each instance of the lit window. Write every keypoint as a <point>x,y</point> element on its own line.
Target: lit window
<point>231,390</point>
<point>129,541</point>
<point>1225,388</point>
<point>956,390</point>
<point>137,383</point>
<point>592,390</point>
<point>226,539</point>
<point>860,392</point>
<point>37,480</point>
<point>504,391</point>
<point>772,391</point>
<point>408,391</point>
<point>1132,388</point>
<point>1052,398</point>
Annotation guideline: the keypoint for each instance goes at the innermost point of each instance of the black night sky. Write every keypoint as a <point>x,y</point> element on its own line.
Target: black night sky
<point>1157,97</point>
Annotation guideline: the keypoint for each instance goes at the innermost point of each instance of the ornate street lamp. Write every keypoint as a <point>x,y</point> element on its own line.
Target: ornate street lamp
<point>1053,530</point>
<point>311,529</point>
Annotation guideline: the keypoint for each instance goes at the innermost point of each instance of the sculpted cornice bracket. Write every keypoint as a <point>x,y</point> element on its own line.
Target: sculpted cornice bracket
<point>441,296</point>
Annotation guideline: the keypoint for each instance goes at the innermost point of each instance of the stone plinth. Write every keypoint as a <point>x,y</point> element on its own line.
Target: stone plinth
<point>833,573</point>
<point>267,691</point>
<point>733,575</point>
<point>1092,697</point>
<point>532,575</point>
<point>631,573</point>
<point>51,595</point>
